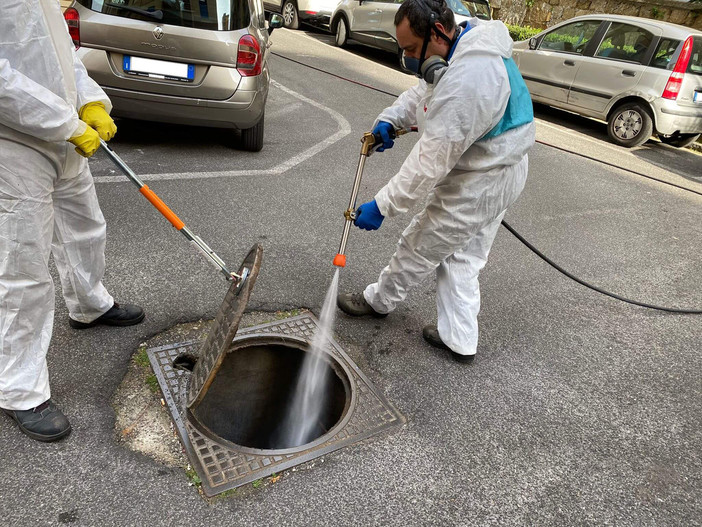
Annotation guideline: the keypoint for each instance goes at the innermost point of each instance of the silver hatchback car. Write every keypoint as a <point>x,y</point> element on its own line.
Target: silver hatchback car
<point>372,22</point>
<point>202,62</point>
<point>641,76</point>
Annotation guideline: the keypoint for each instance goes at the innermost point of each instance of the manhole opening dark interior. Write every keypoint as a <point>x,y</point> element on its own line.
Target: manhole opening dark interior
<point>253,392</point>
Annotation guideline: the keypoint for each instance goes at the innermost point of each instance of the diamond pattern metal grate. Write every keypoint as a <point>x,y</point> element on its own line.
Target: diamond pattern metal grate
<point>222,467</point>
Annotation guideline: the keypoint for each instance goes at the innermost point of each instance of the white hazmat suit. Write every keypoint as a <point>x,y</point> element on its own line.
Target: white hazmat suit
<point>47,197</point>
<point>470,179</point>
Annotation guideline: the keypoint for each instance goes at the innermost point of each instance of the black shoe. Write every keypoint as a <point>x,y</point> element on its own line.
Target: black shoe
<point>43,423</point>
<point>431,335</point>
<point>355,304</point>
<point>118,315</point>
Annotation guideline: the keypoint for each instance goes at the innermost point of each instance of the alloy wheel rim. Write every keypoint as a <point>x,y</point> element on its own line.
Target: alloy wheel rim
<point>340,31</point>
<point>288,13</point>
<point>628,124</point>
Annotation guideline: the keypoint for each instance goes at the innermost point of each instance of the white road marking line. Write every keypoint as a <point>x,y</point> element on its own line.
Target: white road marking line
<point>343,131</point>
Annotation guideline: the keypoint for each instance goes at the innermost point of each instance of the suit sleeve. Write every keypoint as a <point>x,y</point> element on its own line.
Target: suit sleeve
<point>465,106</point>
<point>88,90</point>
<point>403,112</point>
<point>32,109</point>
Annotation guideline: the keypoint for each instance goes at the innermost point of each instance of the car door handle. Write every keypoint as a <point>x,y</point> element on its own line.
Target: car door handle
<point>569,62</point>
<point>628,73</point>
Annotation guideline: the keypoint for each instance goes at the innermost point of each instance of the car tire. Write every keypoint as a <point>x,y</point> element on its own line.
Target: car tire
<point>679,140</point>
<point>630,125</point>
<point>252,138</point>
<point>291,20</point>
<point>342,32</point>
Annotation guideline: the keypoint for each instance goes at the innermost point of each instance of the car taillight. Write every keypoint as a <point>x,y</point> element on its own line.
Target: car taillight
<point>249,60</point>
<point>672,88</point>
<point>73,22</point>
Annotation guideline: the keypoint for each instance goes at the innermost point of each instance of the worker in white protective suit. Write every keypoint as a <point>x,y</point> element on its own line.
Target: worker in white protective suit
<point>475,120</point>
<point>50,112</point>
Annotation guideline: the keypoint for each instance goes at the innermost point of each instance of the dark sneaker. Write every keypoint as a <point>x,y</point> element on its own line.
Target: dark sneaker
<point>118,315</point>
<point>355,304</point>
<point>43,423</point>
<point>431,335</point>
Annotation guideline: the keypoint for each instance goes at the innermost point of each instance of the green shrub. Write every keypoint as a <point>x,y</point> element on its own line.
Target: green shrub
<point>522,32</point>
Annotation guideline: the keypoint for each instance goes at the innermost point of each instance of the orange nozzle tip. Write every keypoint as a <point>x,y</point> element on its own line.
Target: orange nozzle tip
<point>340,260</point>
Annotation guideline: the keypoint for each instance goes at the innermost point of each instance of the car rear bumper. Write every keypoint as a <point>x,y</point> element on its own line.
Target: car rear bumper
<point>315,18</point>
<point>243,110</point>
<point>672,117</point>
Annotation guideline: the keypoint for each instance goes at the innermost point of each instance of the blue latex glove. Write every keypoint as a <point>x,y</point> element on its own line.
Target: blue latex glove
<point>368,216</point>
<point>384,129</point>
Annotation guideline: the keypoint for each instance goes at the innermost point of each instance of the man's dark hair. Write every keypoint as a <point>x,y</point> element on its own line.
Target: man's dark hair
<point>418,13</point>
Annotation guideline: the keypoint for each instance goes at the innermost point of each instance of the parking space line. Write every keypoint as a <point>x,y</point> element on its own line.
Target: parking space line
<point>343,131</point>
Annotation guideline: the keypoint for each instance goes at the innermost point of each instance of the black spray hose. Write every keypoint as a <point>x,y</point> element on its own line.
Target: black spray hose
<point>680,311</point>
<point>593,287</point>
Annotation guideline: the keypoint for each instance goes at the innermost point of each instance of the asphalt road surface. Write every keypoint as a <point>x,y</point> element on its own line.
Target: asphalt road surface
<point>579,409</point>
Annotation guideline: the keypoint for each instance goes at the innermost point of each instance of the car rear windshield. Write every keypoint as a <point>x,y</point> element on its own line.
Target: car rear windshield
<point>220,15</point>
<point>476,8</point>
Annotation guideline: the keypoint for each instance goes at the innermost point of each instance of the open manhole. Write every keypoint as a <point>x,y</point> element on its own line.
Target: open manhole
<point>230,396</point>
<point>249,401</point>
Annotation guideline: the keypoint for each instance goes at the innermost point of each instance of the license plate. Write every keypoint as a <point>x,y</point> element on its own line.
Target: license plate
<point>697,97</point>
<point>158,69</point>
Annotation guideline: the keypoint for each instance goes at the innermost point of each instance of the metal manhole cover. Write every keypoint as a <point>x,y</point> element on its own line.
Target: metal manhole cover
<point>224,327</point>
<point>222,465</point>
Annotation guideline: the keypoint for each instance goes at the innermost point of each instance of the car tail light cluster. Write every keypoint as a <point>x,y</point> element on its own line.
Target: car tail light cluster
<point>249,59</point>
<point>672,88</point>
<point>73,21</point>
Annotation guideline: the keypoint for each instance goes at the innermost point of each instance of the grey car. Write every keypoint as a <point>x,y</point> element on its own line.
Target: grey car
<point>641,76</point>
<point>202,62</point>
<point>371,22</point>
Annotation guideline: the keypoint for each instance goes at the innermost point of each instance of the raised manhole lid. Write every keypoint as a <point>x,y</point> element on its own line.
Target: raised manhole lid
<point>224,327</point>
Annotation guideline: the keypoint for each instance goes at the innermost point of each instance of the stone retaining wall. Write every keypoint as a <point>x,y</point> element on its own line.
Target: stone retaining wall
<point>545,13</point>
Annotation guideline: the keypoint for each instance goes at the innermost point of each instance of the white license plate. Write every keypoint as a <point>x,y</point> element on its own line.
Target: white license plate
<point>158,69</point>
<point>697,96</point>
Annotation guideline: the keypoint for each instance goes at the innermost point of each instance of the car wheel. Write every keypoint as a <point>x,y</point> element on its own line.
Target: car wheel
<point>290,18</point>
<point>252,138</point>
<point>342,32</point>
<point>679,140</point>
<point>630,125</point>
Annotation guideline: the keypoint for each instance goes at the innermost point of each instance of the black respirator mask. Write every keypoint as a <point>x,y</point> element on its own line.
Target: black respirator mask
<point>426,68</point>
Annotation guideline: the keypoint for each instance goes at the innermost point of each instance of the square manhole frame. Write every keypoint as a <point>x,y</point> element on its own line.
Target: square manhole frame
<point>222,467</point>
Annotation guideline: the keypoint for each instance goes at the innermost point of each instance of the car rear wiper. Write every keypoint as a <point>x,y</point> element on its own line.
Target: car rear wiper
<point>158,15</point>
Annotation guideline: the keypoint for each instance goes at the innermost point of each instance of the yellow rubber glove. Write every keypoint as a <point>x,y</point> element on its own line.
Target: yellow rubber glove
<point>86,143</point>
<point>94,115</point>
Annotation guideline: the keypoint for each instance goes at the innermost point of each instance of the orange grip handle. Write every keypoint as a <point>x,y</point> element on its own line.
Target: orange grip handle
<point>162,207</point>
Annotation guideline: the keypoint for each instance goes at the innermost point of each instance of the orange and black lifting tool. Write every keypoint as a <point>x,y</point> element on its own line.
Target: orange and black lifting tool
<point>149,194</point>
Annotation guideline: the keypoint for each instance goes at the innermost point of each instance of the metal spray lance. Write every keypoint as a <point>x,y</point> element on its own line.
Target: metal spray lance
<point>369,143</point>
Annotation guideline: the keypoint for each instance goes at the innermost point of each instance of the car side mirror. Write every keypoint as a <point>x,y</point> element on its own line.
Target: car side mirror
<point>275,22</point>
<point>533,43</point>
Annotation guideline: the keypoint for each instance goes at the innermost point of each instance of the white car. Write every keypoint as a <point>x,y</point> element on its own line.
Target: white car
<point>295,12</point>
<point>372,22</point>
<point>642,76</point>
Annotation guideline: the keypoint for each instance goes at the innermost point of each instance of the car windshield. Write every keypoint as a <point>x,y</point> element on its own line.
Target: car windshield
<point>222,15</point>
<point>476,8</point>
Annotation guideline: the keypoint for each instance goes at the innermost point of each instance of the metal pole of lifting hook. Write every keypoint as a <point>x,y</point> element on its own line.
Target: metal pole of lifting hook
<point>167,213</point>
